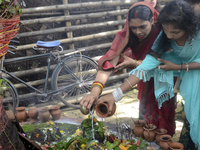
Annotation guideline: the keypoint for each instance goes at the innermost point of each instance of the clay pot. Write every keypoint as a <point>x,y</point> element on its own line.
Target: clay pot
<point>138,129</point>
<point>21,114</point>
<point>44,114</point>
<point>176,146</point>
<point>165,141</point>
<point>102,110</point>
<point>55,112</point>
<point>33,114</point>
<point>160,132</point>
<point>149,132</point>
<point>10,114</point>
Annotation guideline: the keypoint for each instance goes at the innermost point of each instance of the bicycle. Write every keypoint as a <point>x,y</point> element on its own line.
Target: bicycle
<point>71,78</point>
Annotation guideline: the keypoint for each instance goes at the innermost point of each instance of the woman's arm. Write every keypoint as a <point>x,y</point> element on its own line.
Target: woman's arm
<point>128,62</point>
<point>102,76</point>
<point>129,83</point>
<point>171,66</point>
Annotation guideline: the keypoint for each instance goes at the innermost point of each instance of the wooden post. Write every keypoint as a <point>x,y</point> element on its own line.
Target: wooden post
<point>119,17</point>
<point>69,34</point>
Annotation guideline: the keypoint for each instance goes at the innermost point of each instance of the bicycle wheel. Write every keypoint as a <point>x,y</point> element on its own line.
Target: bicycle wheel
<point>9,93</point>
<point>74,77</point>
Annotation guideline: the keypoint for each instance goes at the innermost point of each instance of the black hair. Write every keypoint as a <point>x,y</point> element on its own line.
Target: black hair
<point>158,7</point>
<point>181,15</point>
<point>193,2</point>
<point>142,12</point>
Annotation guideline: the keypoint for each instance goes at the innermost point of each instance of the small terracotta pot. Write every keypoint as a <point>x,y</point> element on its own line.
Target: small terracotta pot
<point>149,132</point>
<point>55,112</point>
<point>102,110</point>
<point>176,146</point>
<point>10,114</point>
<point>138,129</point>
<point>33,114</point>
<point>21,114</point>
<point>44,114</point>
<point>160,132</point>
<point>165,141</point>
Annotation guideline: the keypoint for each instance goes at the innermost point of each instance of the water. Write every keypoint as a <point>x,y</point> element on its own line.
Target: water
<point>92,125</point>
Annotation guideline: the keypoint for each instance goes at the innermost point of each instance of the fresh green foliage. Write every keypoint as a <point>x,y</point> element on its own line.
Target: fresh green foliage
<point>112,145</point>
<point>86,125</point>
<point>3,84</point>
<point>9,9</point>
<point>84,141</point>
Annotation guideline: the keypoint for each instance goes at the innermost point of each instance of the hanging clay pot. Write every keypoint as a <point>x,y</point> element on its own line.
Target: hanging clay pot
<point>176,146</point>
<point>138,129</point>
<point>55,112</point>
<point>102,110</point>
<point>21,114</point>
<point>33,114</point>
<point>10,114</point>
<point>44,114</point>
<point>165,141</point>
<point>160,132</point>
<point>149,132</point>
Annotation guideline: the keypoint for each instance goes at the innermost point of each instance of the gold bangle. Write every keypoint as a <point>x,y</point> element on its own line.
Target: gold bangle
<point>140,61</point>
<point>97,85</point>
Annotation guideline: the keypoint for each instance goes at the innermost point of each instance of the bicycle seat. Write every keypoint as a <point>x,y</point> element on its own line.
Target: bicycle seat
<point>48,44</point>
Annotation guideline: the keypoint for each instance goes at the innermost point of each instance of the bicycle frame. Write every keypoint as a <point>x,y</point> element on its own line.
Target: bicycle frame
<point>50,55</point>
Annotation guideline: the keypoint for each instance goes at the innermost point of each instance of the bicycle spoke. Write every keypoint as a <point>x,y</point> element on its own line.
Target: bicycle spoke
<point>85,71</point>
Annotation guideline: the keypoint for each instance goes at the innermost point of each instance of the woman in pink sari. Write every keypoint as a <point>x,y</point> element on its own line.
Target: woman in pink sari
<point>128,49</point>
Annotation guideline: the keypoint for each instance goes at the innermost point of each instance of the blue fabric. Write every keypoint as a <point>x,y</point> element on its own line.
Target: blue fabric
<point>190,85</point>
<point>48,44</point>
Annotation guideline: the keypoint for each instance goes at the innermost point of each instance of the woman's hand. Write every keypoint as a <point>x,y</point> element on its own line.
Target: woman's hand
<point>126,63</point>
<point>109,99</point>
<point>88,100</point>
<point>168,65</point>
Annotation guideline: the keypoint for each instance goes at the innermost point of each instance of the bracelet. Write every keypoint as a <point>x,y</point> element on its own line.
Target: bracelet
<point>140,61</point>
<point>96,85</point>
<point>117,94</point>
<point>181,68</point>
<point>129,83</point>
<point>187,67</point>
<point>99,84</point>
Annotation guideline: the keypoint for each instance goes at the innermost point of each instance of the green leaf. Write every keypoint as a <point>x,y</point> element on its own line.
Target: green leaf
<point>12,10</point>
<point>100,123</point>
<point>88,134</point>
<point>111,145</point>
<point>134,147</point>
<point>142,144</point>
<point>7,0</point>
<point>20,11</point>
<point>89,144</point>
<point>100,131</point>
<point>86,123</point>
<point>1,1</point>
<point>57,136</point>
